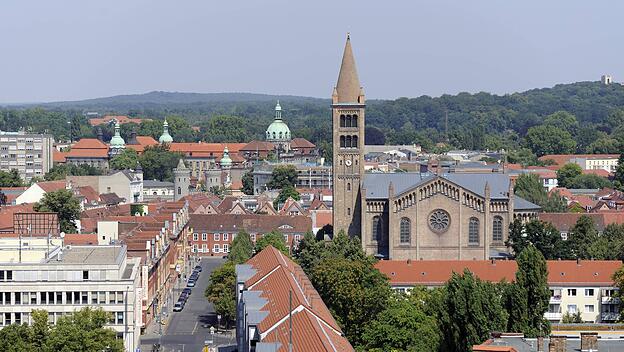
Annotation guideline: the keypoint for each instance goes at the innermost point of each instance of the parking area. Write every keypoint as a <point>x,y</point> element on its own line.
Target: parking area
<point>187,330</point>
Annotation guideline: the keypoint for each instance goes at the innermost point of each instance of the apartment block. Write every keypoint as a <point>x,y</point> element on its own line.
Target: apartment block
<point>29,154</point>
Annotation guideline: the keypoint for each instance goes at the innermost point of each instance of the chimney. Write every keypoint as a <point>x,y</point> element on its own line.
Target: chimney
<point>589,341</point>
<point>557,344</point>
<point>540,344</point>
<point>409,262</point>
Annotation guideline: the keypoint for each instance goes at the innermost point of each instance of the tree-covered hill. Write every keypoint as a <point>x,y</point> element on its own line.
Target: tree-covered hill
<point>577,117</point>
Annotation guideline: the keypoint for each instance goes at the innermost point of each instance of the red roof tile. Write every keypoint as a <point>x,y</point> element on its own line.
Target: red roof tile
<point>107,119</point>
<point>51,186</point>
<point>58,157</point>
<point>80,239</point>
<point>301,143</point>
<point>89,143</point>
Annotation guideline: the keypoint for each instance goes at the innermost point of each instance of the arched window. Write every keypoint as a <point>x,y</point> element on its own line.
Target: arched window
<point>377,228</point>
<point>348,142</point>
<point>274,135</point>
<point>342,142</point>
<point>354,121</point>
<point>405,231</point>
<point>348,124</point>
<point>497,229</point>
<point>354,142</point>
<point>348,186</point>
<point>179,190</point>
<point>342,121</point>
<point>280,135</point>
<point>473,231</point>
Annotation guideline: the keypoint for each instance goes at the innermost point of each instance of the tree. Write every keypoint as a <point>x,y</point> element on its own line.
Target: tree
<point>83,330</point>
<point>10,179</point>
<point>567,172</point>
<point>221,291</point>
<point>128,159</point>
<point>282,176</point>
<point>286,192</point>
<point>582,235</point>
<point>402,326</point>
<point>619,172</point>
<point>374,136</point>
<point>471,309</point>
<point>529,187</point>
<point>241,248</point>
<point>543,235</point>
<point>248,182</point>
<point>618,279</point>
<point>547,139</point>
<point>354,291</point>
<point>572,318</point>
<point>224,128</point>
<point>158,162</point>
<point>60,172</point>
<point>532,280</point>
<point>40,329</point>
<point>562,120</point>
<point>64,204</point>
<point>311,250</point>
<point>589,181</point>
<point>273,238</point>
<point>16,338</point>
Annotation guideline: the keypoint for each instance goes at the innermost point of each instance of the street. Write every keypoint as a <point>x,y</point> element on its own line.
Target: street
<point>187,330</point>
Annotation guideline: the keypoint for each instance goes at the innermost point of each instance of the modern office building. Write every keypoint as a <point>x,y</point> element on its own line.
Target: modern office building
<point>39,274</point>
<point>30,154</point>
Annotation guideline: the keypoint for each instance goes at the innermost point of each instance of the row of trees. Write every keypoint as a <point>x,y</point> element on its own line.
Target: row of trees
<point>82,330</point>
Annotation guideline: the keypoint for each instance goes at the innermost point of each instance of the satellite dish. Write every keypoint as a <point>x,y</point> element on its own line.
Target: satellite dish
<point>62,234</point>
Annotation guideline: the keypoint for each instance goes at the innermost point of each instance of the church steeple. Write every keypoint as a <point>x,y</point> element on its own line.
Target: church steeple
<point>348,87</point>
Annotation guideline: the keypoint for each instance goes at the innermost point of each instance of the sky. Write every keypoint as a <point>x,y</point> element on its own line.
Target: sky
<point>77,49</point>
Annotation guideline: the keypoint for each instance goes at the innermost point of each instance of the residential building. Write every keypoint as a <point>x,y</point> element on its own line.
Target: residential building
<point>309,175</point>
<point>36,191</point>
<point>89,151</point>
<point>606,162</point>
<point>565,221</point>
<point>212,234</point>
<point>154,189</point>
<point>63,279</point>
<point>127,184</point>
<point>28,153</point>
<point>584,286</point>
<point>279,310</point>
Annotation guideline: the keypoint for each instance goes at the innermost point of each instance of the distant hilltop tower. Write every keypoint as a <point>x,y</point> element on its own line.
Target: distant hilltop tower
<point>606,79</point>
<point>181,180</point>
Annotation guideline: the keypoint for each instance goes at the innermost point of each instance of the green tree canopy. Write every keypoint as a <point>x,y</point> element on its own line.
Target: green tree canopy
<point>221,291</point>
<point>581,236</point>
<point>619,172</point>
<point>273,238</point>
<point>568,172</point>
<point>224,128</point>
<point>285,193</point>
<point>562,120</point>
<point>529,187</point>
<point>64,204</point>
<point>241,248</point>
<point>543,235</point>
<point>10,179</point>
<point>61,171</point>
<point>589,181</point>
<point>532,278</point>
<point>158,163</point>
<point>283,176</point>
<point>248,182</point>
<point>128,159</point>
<point>547,139</point>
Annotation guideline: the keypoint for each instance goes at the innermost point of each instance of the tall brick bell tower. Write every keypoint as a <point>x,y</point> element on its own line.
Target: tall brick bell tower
<point>348,143</point>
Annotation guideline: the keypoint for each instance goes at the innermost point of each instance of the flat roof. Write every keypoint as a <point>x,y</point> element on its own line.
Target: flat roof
<point>88,255</point>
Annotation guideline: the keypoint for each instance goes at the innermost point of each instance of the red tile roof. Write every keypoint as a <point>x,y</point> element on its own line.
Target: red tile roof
<point>301,143</point>
<point>58,157</point>
<point>313,325</point>
<point>599,172</point>
<point>80,239</point>
<point>562,159</point>
<point>89,143</point>
<point>437,272</point>
<point>88,148</point>
<point>51,186</point>
<point>6,214</point>
<point>258,146</point>
<point>215,148</point>
<point>107,119</point>
<point>252,223</point>
<point>565,221</point>
<point>89,193</point>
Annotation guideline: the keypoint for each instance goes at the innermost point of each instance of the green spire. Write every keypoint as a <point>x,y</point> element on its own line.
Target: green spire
<point>165,137</point>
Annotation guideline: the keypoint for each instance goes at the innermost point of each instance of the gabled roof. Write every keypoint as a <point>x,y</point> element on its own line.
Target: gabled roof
<point>51,186</point>
<point>143,142</point>
<point>252,223</point>
<point>58,157</point>
<point>120,118</point>
<point>314,328</point>
<point>289,204</point>
<point>565,221</point>
<point>258,146</point>
<point>437,272</point>
<point>301,143</point>
<point>89,143</point>
<point>266,208</point>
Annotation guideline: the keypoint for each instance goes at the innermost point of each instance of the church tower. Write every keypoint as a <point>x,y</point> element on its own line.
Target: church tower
<point>348,107</point>
<point>181,180</point>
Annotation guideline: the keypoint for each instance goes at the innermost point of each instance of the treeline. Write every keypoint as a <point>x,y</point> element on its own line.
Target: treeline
<point>585,117</point>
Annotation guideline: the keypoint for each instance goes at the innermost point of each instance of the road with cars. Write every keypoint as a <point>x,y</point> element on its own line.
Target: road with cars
<point>189,329</point>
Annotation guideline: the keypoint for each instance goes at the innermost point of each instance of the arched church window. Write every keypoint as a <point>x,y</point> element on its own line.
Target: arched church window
<point>354,142</point>
<point>342,121</point>
<point>405,230</point>
<point>348,124</point>
<point>280,135</point>
<point>497,229</point>
<point>473,231</point>
<point>342,142</point>
<point>179,190</point>
<point>377,228</point>
<point>349,141</point>
<point>274,135</point>
<point>354,122</point>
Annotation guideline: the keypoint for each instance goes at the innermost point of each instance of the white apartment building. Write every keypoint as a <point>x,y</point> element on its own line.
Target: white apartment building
<point>64,279</point>
<point>29,154</point>
<point>607,162</point>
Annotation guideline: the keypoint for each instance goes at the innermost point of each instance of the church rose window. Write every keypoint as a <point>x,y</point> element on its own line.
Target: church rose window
<point>439,220</point>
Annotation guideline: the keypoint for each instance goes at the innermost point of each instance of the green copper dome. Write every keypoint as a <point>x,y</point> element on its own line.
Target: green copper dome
<point>117,141</point>
<point>165,137</point>
<point>225,160</point>
<point>278,131</point>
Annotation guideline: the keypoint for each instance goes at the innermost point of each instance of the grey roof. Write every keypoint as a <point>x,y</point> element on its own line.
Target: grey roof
<point>376,185</point>
<point>89,255</point>
<point>268,346</point>
<point>156,183</point>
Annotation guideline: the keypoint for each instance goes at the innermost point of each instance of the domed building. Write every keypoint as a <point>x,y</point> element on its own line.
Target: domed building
<point>226,161</point>
<point>278,131</point>
<point>117,144</point>
<point>165,137</point>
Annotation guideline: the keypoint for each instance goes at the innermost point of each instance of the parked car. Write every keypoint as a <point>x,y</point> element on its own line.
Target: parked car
<point>198,268</point>
<point>190,283</point>
<point>188,291</point>
<point>183,297</point>
<point>178,306</point>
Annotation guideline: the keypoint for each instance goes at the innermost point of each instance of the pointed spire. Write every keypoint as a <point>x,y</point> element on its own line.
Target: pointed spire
<point>181,165</point>
<point>348,86</point>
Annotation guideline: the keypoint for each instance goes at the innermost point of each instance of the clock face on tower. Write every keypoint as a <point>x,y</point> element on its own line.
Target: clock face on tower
<point>348,162</point>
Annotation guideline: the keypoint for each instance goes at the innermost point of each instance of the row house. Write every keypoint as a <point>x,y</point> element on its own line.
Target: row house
<point>212,234</point>
<point>582,286</point>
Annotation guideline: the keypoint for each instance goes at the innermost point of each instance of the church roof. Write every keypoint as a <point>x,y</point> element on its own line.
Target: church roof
<point>348,86</point>
<point>376,185</point>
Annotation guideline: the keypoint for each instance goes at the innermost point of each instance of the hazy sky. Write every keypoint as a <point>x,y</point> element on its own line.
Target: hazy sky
<point>67,50</point>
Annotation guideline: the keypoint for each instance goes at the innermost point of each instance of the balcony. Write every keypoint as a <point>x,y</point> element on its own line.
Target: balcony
<point>609,316</point>
<point>609,300</point>
<point>555,299</point>
<point>553,316</point>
